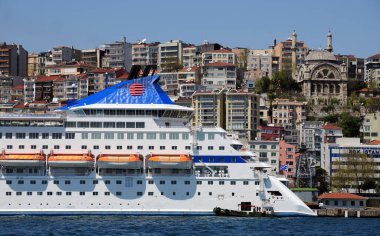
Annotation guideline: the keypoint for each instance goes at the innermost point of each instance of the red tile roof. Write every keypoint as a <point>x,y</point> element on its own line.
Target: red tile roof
<point>330,126</point>
<point>349,196</point>
<point>364,90</point>
<point>192,69</point>
<point>374,56</point>
<point>38,102</point>
<point>123,76</point>
<point>18,87</point>
<point>70,64</point>
<point>103,71</point>
<point>375,142</point>
<point>220,64</point>
<point>42,78</point>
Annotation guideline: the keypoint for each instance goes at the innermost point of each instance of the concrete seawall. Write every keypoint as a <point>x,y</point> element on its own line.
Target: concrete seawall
<point>357,213</point>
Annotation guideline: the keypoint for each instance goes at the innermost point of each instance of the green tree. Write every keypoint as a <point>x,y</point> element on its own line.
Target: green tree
<point>372,105</point>
<point>350,125</point>
<point>321,180</point>
<point>284,85</point>
<point>331,118</point>
<point>262,85</point>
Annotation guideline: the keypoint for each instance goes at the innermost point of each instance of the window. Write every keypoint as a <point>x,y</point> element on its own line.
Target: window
<point>58,193</point>
<point>9,181</point>
<point>139,147</point>
<point>82,193</point>
<point>95,182</point>
<point>210,182</point>
<point>29,193</point>
<point>336,203</point>
<point>45,147</point>
<point>162,181</point>
<point>129,147</point>
<point>82,181</point>
<point>187,147</point>
<point>107,147</point>
<point>50,193</point>
<point>119,147</point>
<point>174,182</point>
<point>173,136</point>
<point>130,124</point>
<point>106,193</point>
<point>68,193</point>
<point>162,135</point>
<point>211,136</point>
<point>44,182</point>
<point>120,124</point>
<point>84,135</point>
<point>151,147</point>
<point>56,181</point>
<point>257,182</point>
<point>139,193</point>
<point>67,182</point>
<point>140,125</point>
<point>210,193</point>
<point>139,181</point>
<point>107,182</point>
<point>68,147</point>
<point>352,203</point>
<point>174,147</point>
<point>199,182</point>
<point>108,124</point>
<point>39,193</point>
<point>21,146</point>
<point>185,136</point>
<point>94,193</point>
<point>20,135</point>
<point>8,193</point>
<point>233,182</point>
<point>245,182</point>
<point>96,147</point>
<point>8,135</point>
<point>187,182</point>
<point>33,135</point>
<point>33,147</point>
<point>130,135</point>
<point>56,136</point>
<point>151,135</point>
<point>199,147</point>
<point>32,182</point>
<point>210,148</point>
<point>69,135</point>
<point>273,147</point>
<point>18,193</point>
<point>120,135</point>
<point>45,135</point>
<point>96,135</point>
<point>108,135</point>
<point>118,181</point>
<point>162,147</point>
<point>140,135</point>
<point>84,147</point>
<point>9,146</point>
<point>150,193</point>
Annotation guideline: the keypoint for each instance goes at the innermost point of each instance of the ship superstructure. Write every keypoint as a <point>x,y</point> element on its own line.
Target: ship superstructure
<point>129,150</point>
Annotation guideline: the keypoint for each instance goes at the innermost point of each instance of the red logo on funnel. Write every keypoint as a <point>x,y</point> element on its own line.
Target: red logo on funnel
<point>136,89</point>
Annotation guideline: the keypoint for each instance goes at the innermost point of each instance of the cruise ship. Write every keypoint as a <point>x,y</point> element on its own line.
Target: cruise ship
<point>130,150</point>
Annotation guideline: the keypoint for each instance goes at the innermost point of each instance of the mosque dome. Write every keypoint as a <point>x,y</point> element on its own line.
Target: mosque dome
<point>320,55</point>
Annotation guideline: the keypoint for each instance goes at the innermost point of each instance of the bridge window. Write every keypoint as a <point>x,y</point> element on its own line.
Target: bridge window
<point>84,135</point>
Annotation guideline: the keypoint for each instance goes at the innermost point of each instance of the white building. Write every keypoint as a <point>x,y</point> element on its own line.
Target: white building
<point>144,53</point>
<point>170,55</point>
<point>222,55</point>
<point>219,75</point>
<point>118,55</point>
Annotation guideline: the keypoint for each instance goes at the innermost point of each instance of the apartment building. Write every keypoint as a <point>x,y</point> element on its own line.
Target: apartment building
<point>371,126</point>
<point>355,66</point>
<point>311,135</point>
<point>118,55</point>
<point>62,54</point>
<point>13,60</point>
<point>267,152</point>
<point>68,68</point>
<point>189,56</point>
<point>242,113</point>
<point>218,75</point>
<point>221,55</point>
<point>170,57</point>
<point>261,62</point>
<point>93,57</point>
<point>270,132</point>
<point>288,158</point>
<point>372,70</point>
<point>209,108</point>
<point>145,53</point>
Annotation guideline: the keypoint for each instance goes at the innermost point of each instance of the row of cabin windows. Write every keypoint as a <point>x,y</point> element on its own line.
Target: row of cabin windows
<point>138,135</point>
<point>117,125</point>
<point>161,182</point>
<point>108,147</point>
<point>344,203</point>
<point>139,112</point>
<point>97,193</point>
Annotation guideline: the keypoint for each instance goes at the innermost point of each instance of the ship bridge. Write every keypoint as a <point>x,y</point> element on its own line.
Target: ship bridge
<point>130,96</point>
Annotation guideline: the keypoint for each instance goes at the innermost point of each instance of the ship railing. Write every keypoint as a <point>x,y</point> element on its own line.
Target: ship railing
<point>40,116</point>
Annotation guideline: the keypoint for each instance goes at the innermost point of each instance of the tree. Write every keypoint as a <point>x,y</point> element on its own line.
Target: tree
<point>332,118</point>
<point>262,85</point>
<point>351,170</point>
<point>321,179</point>
<point>171,65</point>
<point>350,125</point>
<point>284,85</point>
<point>372,105</point>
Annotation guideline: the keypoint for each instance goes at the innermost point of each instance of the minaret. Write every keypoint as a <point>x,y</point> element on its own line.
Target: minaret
<point>329,47</point>
<point>294,51</point>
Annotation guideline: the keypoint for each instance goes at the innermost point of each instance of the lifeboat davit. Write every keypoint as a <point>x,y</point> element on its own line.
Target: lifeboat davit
<point>119,161</point>
<point>71,160</point>
<point>181,161</point>
<point>22,159</point>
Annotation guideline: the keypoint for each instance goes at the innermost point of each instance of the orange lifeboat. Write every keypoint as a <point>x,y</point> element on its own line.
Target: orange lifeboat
<point>71,160</point>
<point>119,161</point>
<point>22,159</point>
<point>181,161</point>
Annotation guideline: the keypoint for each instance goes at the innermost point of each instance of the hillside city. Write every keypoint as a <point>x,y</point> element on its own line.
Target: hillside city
<point>311,114</point>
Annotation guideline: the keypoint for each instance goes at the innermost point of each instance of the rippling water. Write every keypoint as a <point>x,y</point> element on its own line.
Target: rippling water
<point>203,225</point>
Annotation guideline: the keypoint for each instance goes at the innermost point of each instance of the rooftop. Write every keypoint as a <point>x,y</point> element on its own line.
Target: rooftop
<point>348,196</point>
<point>320,55</point>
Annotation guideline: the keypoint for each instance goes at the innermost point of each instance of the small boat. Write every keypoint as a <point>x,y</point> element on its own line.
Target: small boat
<point>226,212</point>
<point>119,161</point>
<point>22,159</point>
<point>71,160</point>
<point>180,161</point>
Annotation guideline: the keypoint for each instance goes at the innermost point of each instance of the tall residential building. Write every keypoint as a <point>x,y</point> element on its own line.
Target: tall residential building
<point>242,113</point>
<point>241,55</point>
<point>93,57</point>
<point>29,89</point>
<point>118,55</point>
<point>330,133</point>
<point>311,135</point>
<point>100,79</point>
<point>355,66</point>
<point>13,60</point>
<point>62,54</point>
<point>37,63</point>
<point>222,55</point>
<point>170,57</point>
<point>189,56</point>
<point>205,47</point>
<point>209,109</point>
<point>286,111</point>
<point>372,70</point>
<point>371,126</point>
<point>285,49</point>
<point>169,83</point>
<point>218,75</point>
<point>145,53</point>
<point>288,156</point>
<point>235,111</point>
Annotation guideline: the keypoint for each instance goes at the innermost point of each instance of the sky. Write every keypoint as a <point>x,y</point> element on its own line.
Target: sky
<point>40,25</point>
